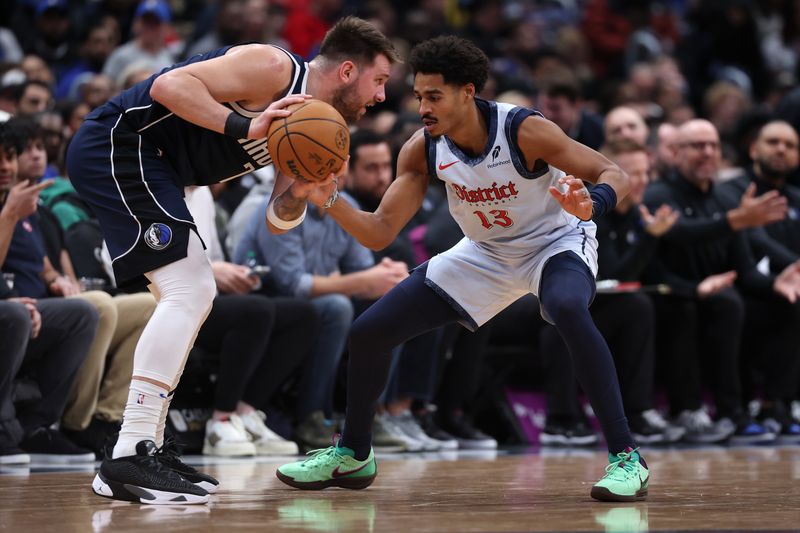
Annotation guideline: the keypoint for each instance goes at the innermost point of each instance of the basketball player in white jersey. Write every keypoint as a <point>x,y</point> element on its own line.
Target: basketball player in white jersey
<point>527,224</point>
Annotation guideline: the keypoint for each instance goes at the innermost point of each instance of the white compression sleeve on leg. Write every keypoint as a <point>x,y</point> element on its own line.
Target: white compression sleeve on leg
<point>187,290</point>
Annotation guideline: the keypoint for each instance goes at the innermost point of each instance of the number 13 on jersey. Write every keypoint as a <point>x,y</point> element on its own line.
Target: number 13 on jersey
<point>496,217</point>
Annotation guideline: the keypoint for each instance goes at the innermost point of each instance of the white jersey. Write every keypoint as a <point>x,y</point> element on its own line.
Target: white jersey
<point>495,199</point>
<point>511,222</point>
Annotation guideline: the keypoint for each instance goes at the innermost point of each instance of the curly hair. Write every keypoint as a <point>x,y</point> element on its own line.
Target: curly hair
<point>458,60</point>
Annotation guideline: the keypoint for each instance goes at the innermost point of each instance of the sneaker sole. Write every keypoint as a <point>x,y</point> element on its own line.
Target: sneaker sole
<point>353,483</point>
<point>604,495</point>
<point>132,493</point>
<point>206,486</point>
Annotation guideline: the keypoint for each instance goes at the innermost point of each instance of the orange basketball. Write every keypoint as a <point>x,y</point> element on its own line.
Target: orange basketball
<point>310,143</point>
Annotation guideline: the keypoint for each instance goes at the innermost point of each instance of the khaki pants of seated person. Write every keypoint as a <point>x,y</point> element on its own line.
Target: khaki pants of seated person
<point>101,387</point>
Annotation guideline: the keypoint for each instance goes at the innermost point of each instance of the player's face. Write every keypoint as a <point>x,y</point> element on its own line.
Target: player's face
<point>439,103</point>
<point>33,161</point>
<point>367,88</point>
<point>775,150</point>
<point>8,167</point>
<point>372,172</point>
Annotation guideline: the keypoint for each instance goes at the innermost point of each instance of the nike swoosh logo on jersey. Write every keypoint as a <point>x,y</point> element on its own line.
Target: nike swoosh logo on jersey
<point>442,167</point>
<point>338,473</point>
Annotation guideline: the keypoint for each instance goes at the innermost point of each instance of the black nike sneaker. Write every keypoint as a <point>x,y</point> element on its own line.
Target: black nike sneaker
<point>144,478</point>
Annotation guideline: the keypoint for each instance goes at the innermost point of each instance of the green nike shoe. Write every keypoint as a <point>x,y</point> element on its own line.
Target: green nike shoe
<point>334,466</point>
<point>625,480</point>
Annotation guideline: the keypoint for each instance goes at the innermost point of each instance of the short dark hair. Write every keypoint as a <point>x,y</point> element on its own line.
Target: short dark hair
<point>564,84</point>
<point>22,131</point>
<point>357,40</point>
<point>458,60</point>
<point>618,147</point>
<point>7,143</point>
<point>363,137</point>
<point>28,83</point>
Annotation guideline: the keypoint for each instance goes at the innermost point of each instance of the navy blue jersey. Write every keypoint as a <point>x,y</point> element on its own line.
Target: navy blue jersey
<point>198,155</point>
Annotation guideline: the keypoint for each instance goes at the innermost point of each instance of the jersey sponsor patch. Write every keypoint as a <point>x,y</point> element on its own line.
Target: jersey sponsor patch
<point>158,236</point>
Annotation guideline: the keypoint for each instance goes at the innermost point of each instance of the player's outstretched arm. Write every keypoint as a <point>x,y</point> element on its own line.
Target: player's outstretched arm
<point>539,138</point>
<point>402,199</point>
<point>253,75</point>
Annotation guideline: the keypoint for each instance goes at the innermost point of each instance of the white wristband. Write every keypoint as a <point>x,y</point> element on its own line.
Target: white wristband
<point>279,222</point>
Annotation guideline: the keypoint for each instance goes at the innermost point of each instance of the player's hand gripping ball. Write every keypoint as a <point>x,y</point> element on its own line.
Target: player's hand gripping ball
<point>311,143</point>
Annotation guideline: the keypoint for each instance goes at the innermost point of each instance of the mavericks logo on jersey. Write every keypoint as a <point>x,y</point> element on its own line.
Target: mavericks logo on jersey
<point>158,236</point>
<point>483,195</point>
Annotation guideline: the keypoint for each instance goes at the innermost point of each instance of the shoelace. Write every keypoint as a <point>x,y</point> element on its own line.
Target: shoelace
<point>170,452</point>
<point>626,463</point>
<point>319,455</point>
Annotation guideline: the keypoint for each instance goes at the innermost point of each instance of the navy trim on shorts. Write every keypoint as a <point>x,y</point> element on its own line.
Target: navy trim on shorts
<point>466,320</point>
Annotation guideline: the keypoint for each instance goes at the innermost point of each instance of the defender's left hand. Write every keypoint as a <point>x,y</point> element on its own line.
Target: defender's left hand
<point>576,200</point>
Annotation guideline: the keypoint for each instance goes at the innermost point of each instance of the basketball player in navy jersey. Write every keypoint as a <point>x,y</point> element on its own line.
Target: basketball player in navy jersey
<point>199,122</point>
<point>528,229</point>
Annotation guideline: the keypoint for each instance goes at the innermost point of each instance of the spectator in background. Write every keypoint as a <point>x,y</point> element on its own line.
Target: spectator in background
<point>724,102</point>
<point>94,408</point>
<point>775,157</point>
<point>150,26</point>
<point>700,257</point>
<point>52,129</point>
<point>37,69</point>
<point>96,46</point>
<point>51,39</point>
<point>65,331</point>
<point>665,149</point>
<point>228,29</point>
<point>97,90</point>
<point>559,100</point>
<point>625,123</point>
<point>33,97</point>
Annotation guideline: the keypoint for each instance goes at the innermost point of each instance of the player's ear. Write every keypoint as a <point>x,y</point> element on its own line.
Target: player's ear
<point>348,71</point>
<point>469,90</point>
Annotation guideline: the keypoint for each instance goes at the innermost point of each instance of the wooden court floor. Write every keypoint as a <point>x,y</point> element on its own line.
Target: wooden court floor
<point>741,489</point>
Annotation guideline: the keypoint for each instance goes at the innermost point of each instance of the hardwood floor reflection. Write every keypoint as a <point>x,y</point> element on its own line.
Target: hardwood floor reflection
<point>708,489</point>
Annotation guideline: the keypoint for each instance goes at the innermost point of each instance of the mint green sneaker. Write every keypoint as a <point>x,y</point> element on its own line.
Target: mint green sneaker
<point>334,466</point>
<point>625,480</point>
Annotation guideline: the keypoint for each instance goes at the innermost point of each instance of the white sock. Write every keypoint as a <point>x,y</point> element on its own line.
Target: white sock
<point>162,420</point>
<point>142,412</point>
